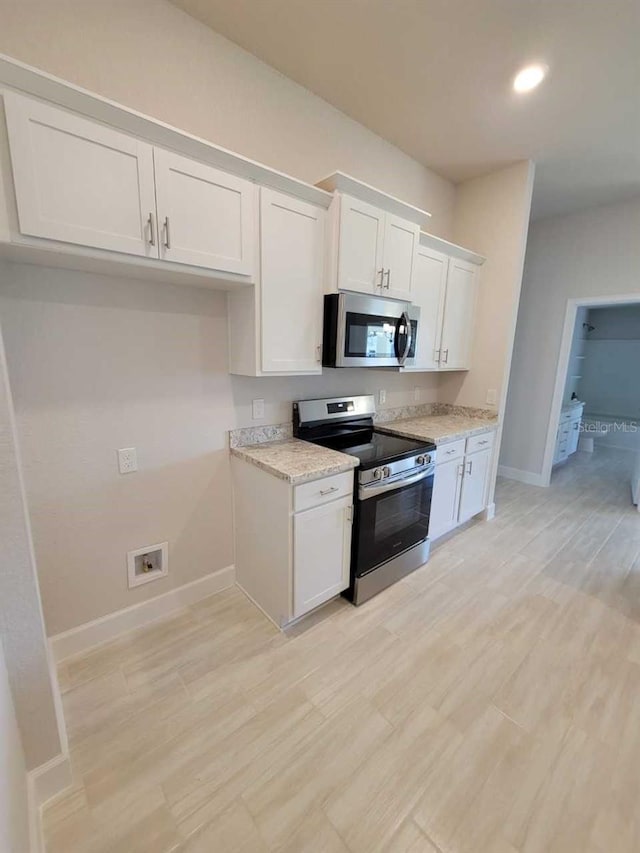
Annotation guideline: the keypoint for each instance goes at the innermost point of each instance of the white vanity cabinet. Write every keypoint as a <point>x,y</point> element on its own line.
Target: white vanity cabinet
<point>445,288</point>
<point>275,328</point>
<point>568,433</point>
<point>293,542</point>
<point>81,182</point>
<point>461,482</point>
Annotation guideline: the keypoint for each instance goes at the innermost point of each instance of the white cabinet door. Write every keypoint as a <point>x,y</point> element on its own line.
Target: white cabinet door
<point>446,497</point>
<point>574,435</point>
<point>292,247</point>
<point>206,217</point>
<point>360,246</point>
<point>321,554</point>
<point>80,182</point>
<point>459,310</point>
<point>429,285</point>
<point>473,494</point>
<point>400,248</point>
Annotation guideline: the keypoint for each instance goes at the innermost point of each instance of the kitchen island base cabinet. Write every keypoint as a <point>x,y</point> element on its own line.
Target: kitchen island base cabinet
<point>292,543</point>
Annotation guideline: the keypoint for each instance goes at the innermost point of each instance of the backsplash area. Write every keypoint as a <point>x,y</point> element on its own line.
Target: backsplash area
<point>281,432</point>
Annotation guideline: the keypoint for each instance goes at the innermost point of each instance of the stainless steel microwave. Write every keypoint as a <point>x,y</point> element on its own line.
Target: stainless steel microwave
<point>368,331</point>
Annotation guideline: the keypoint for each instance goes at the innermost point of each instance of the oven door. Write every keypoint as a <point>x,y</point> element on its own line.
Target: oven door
<point>374,332</point>
<point>391,518</point>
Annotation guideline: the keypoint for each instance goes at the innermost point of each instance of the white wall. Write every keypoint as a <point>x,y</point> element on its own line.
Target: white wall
<point>151,56</point>
<point>14,815</point>
<point>594,253</point>
<point>21,623</point>
<point>492,216</point>
<point>609,383</point>
<point>99,363</point>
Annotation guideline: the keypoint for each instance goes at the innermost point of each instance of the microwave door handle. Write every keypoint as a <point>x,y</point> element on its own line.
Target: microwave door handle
<point>402,357</point>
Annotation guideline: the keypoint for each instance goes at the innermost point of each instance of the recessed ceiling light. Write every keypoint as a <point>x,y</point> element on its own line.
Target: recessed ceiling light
<point>530,77</point>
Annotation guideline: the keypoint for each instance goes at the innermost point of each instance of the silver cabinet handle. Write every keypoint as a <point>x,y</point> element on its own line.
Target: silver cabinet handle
<point>388,275</point>
<point>486,441</point>
<point>381,274</point>
<point>167,233</point>
<point>436,355</point>
<point>318,353</point>
<point>350,514</point>
<point>152,230</point>
<point>470,466</point>
<point>449,452</point>
<point>460,470</point>
<point>328,491</point>
<point>445,356</point>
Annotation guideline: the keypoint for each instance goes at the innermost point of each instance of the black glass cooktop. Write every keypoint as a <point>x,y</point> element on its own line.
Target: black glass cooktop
<point>374,448</point>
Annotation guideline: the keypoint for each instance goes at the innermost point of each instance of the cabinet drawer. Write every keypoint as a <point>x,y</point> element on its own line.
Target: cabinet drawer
<point>484,441</point>
<point>449,452</point>
<point>322,491</point>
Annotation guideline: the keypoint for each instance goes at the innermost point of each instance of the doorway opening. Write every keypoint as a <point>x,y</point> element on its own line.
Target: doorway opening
<point>596,406</point>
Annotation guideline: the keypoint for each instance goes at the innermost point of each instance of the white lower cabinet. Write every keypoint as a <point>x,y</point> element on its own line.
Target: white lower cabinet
<point>473,494</point>
<point>321,553</point>
<point>446,498</point>
<point>461,482</point>
<point>292,543</point>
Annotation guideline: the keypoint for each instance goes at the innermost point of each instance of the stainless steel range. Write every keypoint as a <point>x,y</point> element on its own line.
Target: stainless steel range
<point>392,489</point>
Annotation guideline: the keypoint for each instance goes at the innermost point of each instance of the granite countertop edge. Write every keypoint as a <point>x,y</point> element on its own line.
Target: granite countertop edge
<point>253,454</point>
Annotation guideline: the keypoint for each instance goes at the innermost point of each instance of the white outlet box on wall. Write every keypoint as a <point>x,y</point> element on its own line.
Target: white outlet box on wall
<point>147,564</point>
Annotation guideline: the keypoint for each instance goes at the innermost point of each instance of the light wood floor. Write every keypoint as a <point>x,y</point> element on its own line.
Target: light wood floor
<point>488,703</point>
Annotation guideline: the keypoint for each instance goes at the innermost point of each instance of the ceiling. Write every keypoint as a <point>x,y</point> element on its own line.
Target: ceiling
<point>434,77</point>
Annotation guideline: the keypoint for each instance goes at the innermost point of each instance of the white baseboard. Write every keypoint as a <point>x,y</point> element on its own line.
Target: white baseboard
<point>489,513</point>
<point>44,783</point>
<point>85,637</point>
<point>527,477</point>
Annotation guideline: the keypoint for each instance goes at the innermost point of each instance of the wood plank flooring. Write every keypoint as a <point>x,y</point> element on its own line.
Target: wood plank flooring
<point>489,703</point>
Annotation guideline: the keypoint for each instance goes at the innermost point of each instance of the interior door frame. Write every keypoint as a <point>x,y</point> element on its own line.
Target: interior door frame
<point>563,367</point>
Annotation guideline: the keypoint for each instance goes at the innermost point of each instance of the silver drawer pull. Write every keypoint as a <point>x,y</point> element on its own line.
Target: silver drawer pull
<point>486,441</point>
<point>328,491</point>
<point>449,452</point>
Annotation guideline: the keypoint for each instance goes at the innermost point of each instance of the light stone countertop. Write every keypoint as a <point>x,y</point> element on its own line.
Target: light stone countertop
<point>440,429</point>
<point>296,461</point>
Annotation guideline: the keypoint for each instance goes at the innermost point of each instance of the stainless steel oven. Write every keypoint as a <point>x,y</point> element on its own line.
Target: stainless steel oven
<point>391,523</point>
<point>368,331</point>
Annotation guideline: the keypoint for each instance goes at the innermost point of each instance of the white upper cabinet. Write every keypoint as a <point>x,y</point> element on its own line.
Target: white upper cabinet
<point>376,250</point>
<point>291,285</point>
<point>80,182</point>
<point>459,312</point>
<point>205,216</point>
<point>430,284</point>
<point>399,256</point>
<point>360,246</point>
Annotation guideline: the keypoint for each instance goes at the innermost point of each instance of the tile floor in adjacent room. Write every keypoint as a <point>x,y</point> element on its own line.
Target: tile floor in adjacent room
<point>488,703</point>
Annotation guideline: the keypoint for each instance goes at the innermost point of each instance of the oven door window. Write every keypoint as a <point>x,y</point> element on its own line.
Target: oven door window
<point>391,522</point>
<point>369,336</point>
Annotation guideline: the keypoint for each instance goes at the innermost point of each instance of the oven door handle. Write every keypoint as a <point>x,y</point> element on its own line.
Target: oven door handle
<point>366,492</point>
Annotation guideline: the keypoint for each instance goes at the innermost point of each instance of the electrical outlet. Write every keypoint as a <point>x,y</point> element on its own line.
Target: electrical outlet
<point>492,396</point>
<point>257,409</point>
<point>416,395</point>
<point>382,396</point>
<point>127,460</point>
